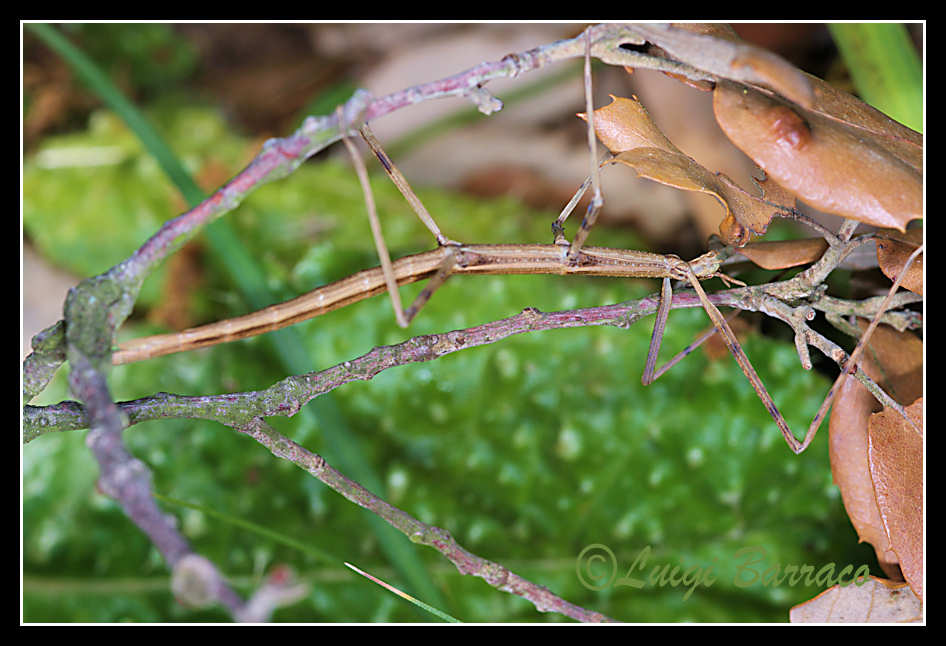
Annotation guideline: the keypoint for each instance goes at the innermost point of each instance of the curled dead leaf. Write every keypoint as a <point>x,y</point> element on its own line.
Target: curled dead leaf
<point>876,601</point>
<point>895,455</point>
<point>744,215</point>
<point>825,162</point>
<point>893,249</point>
<point>774,192</point>
<point>717,49</point>
<point>624,124</point>
<point>626,129</point>
<point>895,361</point>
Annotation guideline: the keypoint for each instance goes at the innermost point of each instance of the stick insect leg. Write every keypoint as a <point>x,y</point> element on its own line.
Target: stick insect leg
<point>558,227</point>
<point>666,297</point>
<point>401,182</point>
<point>383,254</point>
<point>719,321</point>
<point>435,281</point>
<point>700,340</point>
<point>651,373</point>
<point>850,366</point>
<point>594,207</point>
<point>403,316</point>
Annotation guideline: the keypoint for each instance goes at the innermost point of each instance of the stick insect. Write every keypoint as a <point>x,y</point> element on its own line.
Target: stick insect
<point>561,257</point>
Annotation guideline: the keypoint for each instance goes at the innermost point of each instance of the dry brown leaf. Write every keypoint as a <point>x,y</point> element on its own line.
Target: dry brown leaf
<point>672,168</point>
<point>717,29</point>
<point>833,103</point>
<point>895,454</point>
<point>744,215</point>
<point>750,213</point>
<point>626,129</point>
<point>893,250</point>
<point>835,152</point>
<point>775,192</point>
<point>625,124</point>
<point>781,254</point>
<point>895,361</point>
<point>876,601</point>
<point>708,47</point>
<point>913,237</point>
<point>828,164</point>
<point>715,51</point>
<point>847,447</point>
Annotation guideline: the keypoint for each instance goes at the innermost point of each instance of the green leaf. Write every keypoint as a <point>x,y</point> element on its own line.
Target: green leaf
<point>885,67</point>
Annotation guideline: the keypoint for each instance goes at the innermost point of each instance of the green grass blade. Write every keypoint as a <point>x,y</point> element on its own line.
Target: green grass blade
<point>405,596</point>
<point>885,67</point>
<point>252,527</point>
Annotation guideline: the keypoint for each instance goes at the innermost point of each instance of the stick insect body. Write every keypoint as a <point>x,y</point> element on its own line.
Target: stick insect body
<point>559,258</point>
<point>450,258</point>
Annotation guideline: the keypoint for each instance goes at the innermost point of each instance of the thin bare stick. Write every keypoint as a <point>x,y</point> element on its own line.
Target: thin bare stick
<point>847,229</point>
<point>811,223</point>
<point>418,532</point>
<point>379,244</point>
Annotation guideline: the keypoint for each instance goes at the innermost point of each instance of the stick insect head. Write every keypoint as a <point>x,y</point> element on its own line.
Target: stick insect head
<point>706,265</point>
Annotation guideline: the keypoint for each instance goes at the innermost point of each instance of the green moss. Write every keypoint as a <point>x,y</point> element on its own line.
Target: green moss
<point>527,450</point>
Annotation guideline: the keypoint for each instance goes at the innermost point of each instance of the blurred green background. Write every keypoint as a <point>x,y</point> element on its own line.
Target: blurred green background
<point>527,450</point>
